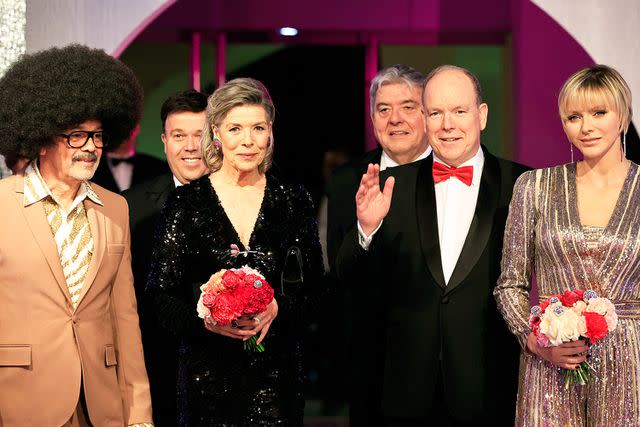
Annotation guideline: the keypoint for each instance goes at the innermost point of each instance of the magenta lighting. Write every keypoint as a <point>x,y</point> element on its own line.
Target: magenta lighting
<point>288,31</point>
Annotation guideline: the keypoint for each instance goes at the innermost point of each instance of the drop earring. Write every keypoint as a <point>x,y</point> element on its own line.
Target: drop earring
<point>571,147</point>
<point>624,144</point>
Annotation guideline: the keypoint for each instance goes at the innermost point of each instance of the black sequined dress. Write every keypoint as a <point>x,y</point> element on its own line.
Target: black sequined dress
<point>220,383</point>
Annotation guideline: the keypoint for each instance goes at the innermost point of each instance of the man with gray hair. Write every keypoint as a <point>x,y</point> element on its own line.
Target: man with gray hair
<point>430,258</point>
<point>398,123</point>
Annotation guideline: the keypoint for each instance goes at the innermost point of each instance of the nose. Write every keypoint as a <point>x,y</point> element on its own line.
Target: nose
<point>192,143</point>
<point>247,138</point>
<point>90,145</point>
<point>447,121</point>
<point>586,126</point>
<point>395,116</point>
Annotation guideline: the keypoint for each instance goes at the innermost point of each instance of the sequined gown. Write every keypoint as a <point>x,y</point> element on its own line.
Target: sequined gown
<point>220,383</point>
<point>544,234</point>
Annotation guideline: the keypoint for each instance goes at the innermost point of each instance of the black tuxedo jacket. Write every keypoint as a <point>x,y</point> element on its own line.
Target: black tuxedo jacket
<point>146,200</point>
<point>145,167</point>
<point>341,195</point>
<point>417,329</point>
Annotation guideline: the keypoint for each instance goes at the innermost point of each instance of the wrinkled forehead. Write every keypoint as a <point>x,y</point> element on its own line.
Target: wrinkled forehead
<point>586,99</point>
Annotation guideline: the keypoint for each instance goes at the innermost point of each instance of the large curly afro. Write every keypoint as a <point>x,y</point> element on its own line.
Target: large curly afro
<point>48,92</point>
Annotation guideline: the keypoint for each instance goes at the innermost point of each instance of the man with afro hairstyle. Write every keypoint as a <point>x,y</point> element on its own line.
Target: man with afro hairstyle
<point>70,350</point>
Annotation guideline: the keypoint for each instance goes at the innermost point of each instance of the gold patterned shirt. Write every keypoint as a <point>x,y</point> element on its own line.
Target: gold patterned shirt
<point>70,228</point>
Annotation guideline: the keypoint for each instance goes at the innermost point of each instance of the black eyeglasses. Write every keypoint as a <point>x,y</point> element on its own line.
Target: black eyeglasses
<point>79,139</point>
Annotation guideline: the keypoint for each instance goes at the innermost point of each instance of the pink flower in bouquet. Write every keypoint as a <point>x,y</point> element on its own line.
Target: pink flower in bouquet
<point>573,315</point>
<point>208,299</point>
<point>230,294</point>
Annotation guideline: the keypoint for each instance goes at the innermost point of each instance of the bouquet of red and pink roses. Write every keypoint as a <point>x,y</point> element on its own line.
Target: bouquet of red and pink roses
<point>230,294</point>
<point>570,316</point>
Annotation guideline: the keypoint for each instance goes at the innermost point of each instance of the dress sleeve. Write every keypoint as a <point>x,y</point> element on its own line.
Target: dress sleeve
<point>518,252</point>
<point>166,289</point>
<point>300,306</point>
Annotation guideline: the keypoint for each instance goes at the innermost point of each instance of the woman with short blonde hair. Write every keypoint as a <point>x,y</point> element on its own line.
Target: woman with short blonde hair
<point>577,226</point>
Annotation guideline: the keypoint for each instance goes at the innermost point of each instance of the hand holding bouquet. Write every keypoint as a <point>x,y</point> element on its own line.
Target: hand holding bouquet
<point>569,317</point>
<point>231,294</point>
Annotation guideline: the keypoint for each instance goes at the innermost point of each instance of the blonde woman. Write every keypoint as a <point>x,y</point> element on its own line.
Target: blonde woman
<point>240,214</point>
<point>577,226</point>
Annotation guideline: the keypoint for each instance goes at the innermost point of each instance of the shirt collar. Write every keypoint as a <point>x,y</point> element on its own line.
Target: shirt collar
<point>387,162</point>
<point>477,161</point>
<point>35,189</point>
<point>177,182</point>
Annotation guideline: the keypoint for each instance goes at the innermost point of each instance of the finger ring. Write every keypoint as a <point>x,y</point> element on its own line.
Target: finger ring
<point>257,319</point>
<point>234,324</point>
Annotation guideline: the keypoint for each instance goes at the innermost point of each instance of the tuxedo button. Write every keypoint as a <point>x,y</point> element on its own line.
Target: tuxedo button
<point>445,300</point>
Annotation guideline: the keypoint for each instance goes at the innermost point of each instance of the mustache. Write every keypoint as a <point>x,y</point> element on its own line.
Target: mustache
<point>84,157</point>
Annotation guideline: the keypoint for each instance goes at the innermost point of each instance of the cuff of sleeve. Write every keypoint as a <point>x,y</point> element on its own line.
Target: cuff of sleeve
<point>363,239</point>
<point>522,339</point>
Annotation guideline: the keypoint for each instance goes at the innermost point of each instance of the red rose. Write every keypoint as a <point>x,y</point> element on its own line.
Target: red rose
<point>569,298</point>
<point>231,279</point>
<point>596,326</point>
<point>258,302</point>
<point>226,308</point>
<point>257,297</point>
<point>208,299</point>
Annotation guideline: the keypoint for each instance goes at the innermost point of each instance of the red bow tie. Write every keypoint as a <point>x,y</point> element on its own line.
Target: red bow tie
<point>443,172</point>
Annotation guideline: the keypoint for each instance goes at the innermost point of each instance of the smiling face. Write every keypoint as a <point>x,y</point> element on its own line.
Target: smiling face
<point>181,138</point>
<point>245,135</point>
<point>594,130</point>
<point>454,118</point>
<point>60,163</point>
<point>398,121</point>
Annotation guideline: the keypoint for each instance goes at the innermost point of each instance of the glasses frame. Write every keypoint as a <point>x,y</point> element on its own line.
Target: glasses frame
<point>90,135</point>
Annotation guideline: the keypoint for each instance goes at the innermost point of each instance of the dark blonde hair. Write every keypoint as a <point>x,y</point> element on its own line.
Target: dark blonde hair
<point>599,85</point>
<point>235,93</point>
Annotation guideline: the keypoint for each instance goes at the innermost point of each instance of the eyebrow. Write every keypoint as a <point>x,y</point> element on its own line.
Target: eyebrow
<point>184,130</point>
<point>253,124</point>
<point>406,101</point>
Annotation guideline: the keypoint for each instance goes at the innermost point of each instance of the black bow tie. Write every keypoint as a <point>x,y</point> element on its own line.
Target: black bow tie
<point>115,161</point>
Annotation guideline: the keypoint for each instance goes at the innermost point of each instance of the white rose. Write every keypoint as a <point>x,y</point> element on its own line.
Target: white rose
<point>579,307</point>
<point>560,328</point>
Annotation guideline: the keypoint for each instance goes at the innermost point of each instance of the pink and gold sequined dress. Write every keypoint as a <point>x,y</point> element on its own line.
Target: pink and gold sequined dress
<point>544,235</point>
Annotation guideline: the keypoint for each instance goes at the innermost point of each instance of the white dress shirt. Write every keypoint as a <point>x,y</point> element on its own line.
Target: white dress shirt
<point>387,162</point>
<point>456,205</point>
<point>177,182</point>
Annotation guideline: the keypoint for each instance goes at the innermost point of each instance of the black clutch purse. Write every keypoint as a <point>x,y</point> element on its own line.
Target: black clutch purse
<point>292,275</point>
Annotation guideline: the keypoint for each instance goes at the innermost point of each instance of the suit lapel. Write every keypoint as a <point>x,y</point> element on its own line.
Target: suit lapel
<point>96,218</point>
<point>160,190</point>
<point>428,221</point>
<point>482,223</point>
<point>41,230</point>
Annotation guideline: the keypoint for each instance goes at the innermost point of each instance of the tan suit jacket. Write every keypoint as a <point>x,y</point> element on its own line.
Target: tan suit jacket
<point>46,348</point>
